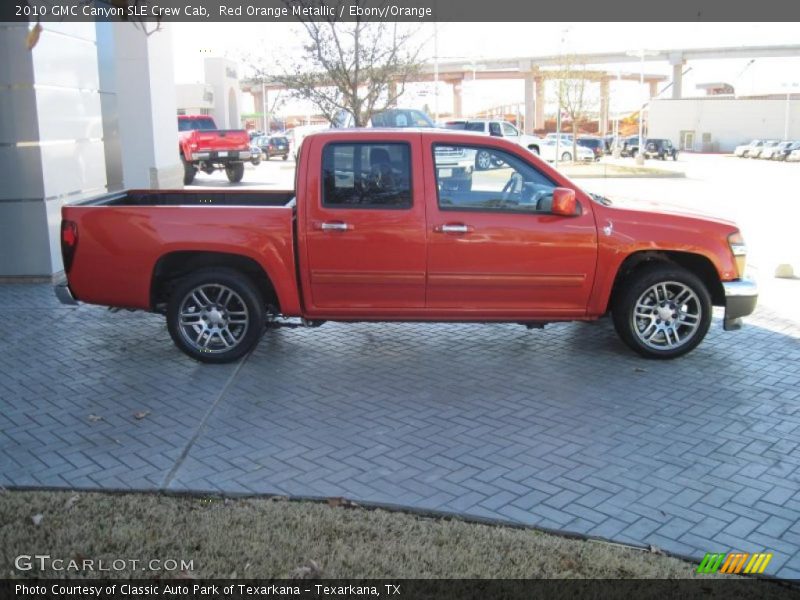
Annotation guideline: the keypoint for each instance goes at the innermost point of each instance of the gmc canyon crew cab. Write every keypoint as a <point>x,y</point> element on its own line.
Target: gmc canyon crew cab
<point>380,227</point>
<point>203,147</point>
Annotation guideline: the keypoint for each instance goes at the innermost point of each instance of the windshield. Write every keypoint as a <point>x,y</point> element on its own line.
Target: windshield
<point>202,124</point>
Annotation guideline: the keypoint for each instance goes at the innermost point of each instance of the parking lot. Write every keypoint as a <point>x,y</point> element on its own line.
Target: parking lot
<point>562,428</point>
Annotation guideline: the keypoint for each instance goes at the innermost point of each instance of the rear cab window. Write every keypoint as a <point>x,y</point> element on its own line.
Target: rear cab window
<point>366,175</point>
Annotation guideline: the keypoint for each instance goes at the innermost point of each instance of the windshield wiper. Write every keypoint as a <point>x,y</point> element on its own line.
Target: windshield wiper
<point>601,199</point>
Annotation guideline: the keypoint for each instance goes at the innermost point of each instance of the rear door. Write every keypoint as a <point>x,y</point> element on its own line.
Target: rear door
<point>365,225</point>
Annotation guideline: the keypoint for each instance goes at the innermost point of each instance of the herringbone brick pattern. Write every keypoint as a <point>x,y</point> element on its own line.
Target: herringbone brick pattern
<point>562,428</point>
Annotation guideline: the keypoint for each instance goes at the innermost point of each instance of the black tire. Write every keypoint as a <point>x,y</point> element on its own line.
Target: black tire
<point>637,287</point>
<point>235,172</point>
<point>285,157</point>
<point>534,150</point>
<point>189,172</point>
<point>566,156</point>
<point>675,157</point>
<point>483,160</point>
<point>245,299</point>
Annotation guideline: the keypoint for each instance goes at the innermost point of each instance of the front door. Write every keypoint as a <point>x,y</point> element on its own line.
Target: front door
<point>494,247</point>
<point>365,229</point>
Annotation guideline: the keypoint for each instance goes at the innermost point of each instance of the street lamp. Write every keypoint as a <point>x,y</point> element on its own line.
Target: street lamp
<point>789,87</point>
<point>641,54</point>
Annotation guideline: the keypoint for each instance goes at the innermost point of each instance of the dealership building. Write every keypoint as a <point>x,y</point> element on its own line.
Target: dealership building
<point>720,123</point>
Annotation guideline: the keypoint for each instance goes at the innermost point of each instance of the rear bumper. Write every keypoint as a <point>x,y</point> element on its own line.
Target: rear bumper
<point>63,293</point>
<point>741,297</point>
<point>221,156</point>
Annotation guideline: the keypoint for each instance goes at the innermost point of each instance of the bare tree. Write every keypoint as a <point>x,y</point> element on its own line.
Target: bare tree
<point>358,67</point>
<point>574,95</point>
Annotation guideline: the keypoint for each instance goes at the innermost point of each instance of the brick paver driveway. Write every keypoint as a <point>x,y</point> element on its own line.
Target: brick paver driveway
<point>562,428</point>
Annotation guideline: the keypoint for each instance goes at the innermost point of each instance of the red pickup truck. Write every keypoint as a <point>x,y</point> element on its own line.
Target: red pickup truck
<point>205,148</point>
<point>383,227</point>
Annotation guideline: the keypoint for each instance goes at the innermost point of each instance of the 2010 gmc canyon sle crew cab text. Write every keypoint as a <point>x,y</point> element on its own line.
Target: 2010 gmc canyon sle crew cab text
<point>382,227</point>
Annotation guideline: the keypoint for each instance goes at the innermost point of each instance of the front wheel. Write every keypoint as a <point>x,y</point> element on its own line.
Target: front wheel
<point>235,172</point>
<point>285,157</point>
<point>663,311</point>
<point>215,315</point>
<point>566,157</point>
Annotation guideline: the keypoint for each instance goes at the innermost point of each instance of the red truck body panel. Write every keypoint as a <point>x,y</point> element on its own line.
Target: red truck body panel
<point>120,246</point>
<point>393,264</point>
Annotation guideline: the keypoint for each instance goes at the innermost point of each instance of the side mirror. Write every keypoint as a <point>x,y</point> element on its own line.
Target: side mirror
<point>564,202</point>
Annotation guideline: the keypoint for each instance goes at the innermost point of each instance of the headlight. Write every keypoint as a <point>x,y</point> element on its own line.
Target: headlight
<point>739,250</point>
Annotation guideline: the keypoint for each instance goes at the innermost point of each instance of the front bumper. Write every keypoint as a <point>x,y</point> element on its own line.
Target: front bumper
<point>63,293</point>
<point>740,300</point>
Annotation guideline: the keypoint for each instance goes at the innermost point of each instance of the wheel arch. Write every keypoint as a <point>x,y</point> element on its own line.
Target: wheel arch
<point>698,264</point>
<point>172,266</point>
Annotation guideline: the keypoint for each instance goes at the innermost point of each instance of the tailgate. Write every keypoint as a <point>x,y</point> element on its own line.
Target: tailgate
<point>222,139</point>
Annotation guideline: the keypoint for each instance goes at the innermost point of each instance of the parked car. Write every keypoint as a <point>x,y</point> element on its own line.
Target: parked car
<point>660,148</point>
<point>563,150</point>
<point>205,148</point>
<point>564,137</point>
<point>495,128</point>
<point>785,152</point>
<point>276,145</point>
<point>771,152</point>
<point>596,144</point>
<point>741,151</point>
<point>756,151</point>
<point>255,153</point>
<point>392,117</point>
<point>630,146</point>
<point>374,232</point>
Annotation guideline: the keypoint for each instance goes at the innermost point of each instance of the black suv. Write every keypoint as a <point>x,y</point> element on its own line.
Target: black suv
<point>630,146</point>
<point>660,148</point>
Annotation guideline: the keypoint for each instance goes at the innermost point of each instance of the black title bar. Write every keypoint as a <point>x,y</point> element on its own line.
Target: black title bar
<point>201,11</point>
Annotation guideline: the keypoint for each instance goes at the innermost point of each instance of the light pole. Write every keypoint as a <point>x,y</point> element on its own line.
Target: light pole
<point>435,73</point>
<point>616,149</point>
<point>641,54</point>
<point>564,33</point>
<point>789,87</point>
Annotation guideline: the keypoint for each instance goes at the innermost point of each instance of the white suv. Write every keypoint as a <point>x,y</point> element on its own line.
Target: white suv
<point>495,128</point>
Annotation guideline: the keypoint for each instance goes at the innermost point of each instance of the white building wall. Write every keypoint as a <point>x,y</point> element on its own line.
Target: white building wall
<point>146,104</point>
<point>730,122</point>
<point>222,75</point>
<point>194,97</point>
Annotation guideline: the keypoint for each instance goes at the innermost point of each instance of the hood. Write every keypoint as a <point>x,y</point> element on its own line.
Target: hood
<point>642,209</point>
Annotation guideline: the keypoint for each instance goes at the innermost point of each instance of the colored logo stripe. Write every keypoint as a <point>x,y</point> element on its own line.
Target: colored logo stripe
<point>734,563</point>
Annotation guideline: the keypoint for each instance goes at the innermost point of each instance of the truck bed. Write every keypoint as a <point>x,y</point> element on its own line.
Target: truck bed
<point>124,239</point>
<point>193,198</point>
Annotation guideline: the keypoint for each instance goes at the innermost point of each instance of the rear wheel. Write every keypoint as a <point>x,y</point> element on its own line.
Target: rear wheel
<point>188,172</point>
<point>215,315</point>
<point>663,311</point>
<point>235,172</point>
<point>285,157</point>
<point>483,160</point>
<point>566,157</point>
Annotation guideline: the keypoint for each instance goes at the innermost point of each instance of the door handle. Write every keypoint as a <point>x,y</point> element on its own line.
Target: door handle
<point>453,228</point>
<point>333,226</point>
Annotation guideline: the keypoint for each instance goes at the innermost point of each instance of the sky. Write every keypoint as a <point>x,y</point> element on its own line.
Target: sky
<point>192,42</point>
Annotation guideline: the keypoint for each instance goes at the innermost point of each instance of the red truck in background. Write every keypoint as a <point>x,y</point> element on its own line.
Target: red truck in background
<point>205,148</point>
<point>384,226</point>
